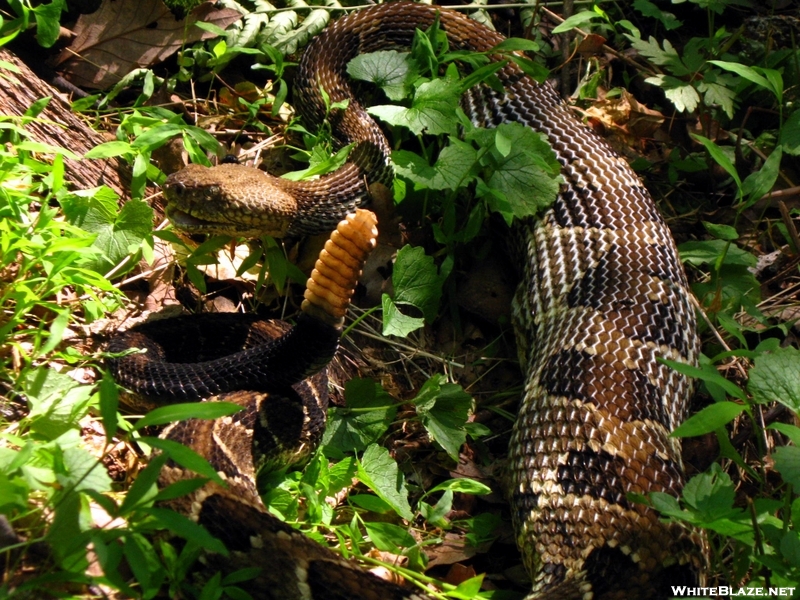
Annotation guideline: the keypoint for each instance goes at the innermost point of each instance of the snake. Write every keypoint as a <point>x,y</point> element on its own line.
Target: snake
<point>603,301</point>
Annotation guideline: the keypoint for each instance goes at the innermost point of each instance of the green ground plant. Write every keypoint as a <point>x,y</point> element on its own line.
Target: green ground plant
<point>63,251</point>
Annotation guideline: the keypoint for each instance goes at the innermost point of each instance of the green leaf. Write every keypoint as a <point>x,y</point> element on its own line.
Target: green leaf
<point>47,22</point>
<point>720,231</point>
<point>367,415</point>
<point>790,134</point>
<point>707,374</point>
<point>516,45</point>
<point>787,463</point>
<point>464,486</point>
<point>433,109</point>
<point>82,471</point>
<point>379,472</point>
<point>711,494</point>
<point>189,410</point>
<point>57,402</point>
<point>416,281</point>
<point>144,487</point>
<point>709,419</point>
<point>395,322</point>
<point>187,529</point>
<point>648,9</point>
<point>370,503</point>
<point>576,21</point>
<point>185,457</point>
<point>709,251</point>
<point>790,431</point>
<point>119,232</point>
<point>392,71</point>
<point>683,95</point>
<point>749,73</point>
<point>523,169</point>
<point>389,537</point>
<point>775,377</point>
<point>444,409</point>
<point>759,184</point>
<point>109,150</point>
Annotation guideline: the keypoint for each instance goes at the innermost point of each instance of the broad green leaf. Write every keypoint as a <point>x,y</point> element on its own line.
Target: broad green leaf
<point>720,158</point>
<point>787,463</point>
<point>433,109</point>
<point>83,471</point>
<point>144,487</point>
<point>187,529</point>
<point>370,503</point>
<point>417,281</point>
<point>119,232</point>
<point>523,167</point>
<point>67,533</point>
<point>444,409</point>
<point>456,164</point>
<point>790,134</point>
<point>367,415</point>
<point>720,231</point>
<point>397,323</point>
<point>468,589</point>
<point>759,184</point>
<point>389,537</point>
<point>379,472</point>
<point>517,45</point>
<point>190,410</point>
<point>775,377</point>
<point>748,73</point>
<point>648,9</point>
<point>790,431</point>
<point>57,402</point>
<point>12,493</point>
<point>711,494</point>
<point>708,251</point>
<point>709,419</point>
<point>708,374</point>
<point>109,150</point>
<point>184,456</point>
<point>416,169</point>
<point>390,70</point>
<point>576,21</point>
<point>157,136</point>
<point>683,95</point>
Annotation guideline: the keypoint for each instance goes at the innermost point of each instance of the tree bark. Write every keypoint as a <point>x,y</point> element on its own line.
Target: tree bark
<point>57,125</point>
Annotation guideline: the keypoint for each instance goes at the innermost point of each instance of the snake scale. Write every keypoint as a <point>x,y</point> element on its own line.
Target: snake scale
<point>603,296</point>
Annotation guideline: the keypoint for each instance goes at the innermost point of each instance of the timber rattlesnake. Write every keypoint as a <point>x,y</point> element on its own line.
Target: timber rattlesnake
<point>603,295</point>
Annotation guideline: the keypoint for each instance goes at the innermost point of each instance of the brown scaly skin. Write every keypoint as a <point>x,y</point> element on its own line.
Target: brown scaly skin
<point>603,297</point>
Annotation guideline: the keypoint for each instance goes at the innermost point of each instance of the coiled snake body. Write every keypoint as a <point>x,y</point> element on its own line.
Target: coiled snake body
<point>603,296</point>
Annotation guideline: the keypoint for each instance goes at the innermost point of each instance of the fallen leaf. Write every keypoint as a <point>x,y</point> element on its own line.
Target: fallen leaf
<point>126,34</point>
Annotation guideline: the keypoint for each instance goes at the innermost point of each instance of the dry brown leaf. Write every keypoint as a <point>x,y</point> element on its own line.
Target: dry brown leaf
<point>125,34</point>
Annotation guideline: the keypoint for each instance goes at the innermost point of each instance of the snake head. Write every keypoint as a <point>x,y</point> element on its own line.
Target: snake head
<point>228,199</point>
